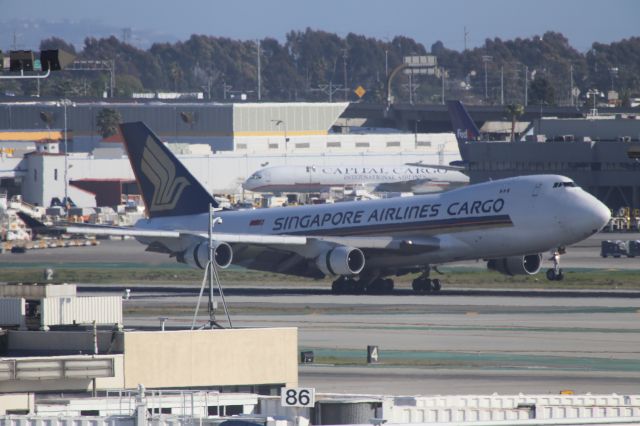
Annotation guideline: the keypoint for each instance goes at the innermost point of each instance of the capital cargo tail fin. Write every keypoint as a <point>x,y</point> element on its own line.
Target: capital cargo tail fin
<point>463,126</point>
<point>167,187</point>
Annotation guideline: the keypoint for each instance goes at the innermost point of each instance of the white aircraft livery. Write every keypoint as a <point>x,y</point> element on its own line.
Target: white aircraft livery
<point>508,222</point>
<point>402,178</point>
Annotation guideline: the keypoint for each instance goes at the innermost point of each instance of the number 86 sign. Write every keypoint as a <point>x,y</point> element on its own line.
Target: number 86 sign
<point>297,397</point>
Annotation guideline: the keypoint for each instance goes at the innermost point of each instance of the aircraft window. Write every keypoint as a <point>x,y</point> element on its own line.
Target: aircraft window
<point>255,176</point>
<point>564,185</point>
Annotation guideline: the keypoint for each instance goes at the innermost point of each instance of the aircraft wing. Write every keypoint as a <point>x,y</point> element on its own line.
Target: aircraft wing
<point>387,243</point>
<point>437,166</point>
<point>269,253</point>
<point>158,233</point>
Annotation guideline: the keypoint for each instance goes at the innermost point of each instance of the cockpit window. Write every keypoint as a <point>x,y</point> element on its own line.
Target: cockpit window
<point>255,176</point>
<point>569,184</point>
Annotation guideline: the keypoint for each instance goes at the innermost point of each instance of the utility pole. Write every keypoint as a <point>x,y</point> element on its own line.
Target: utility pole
<point>502,85</point>
<point>344,64</point>
<point>466,34</point>
<point>442,71</point>
<point>386,63</point>
<point>112,83</point>
<point>410,89</point>
<point>526,85</point>
<point>571,90</point>
<point>486,59</point>
<point>328,89</point>
<point>259,72</point>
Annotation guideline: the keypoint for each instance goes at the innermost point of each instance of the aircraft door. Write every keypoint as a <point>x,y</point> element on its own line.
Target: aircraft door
<point>266,177</point>
<point>310,172</point>
<point>536,190</point>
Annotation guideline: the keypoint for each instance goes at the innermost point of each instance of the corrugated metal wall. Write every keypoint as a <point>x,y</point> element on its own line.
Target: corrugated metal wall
<point>12,311</point>
<point>297,118</point>
<point>167,119</point>
<point>81,310</point>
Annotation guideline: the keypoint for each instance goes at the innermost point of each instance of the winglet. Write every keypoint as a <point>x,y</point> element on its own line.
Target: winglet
<point>167,187</point>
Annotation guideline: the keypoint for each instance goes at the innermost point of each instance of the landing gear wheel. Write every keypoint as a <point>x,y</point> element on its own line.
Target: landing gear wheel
<point>342,285</point>
<point>380,286</point>
<point>435,285</point>
<point>423,285</point>
<point>357,287</point>
<point>553,276</point>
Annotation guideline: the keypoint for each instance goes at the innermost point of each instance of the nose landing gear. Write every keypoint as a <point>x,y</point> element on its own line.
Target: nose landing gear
<point>555,273</point>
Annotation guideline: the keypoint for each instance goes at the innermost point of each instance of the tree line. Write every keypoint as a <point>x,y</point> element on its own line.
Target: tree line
<point>314,65</point>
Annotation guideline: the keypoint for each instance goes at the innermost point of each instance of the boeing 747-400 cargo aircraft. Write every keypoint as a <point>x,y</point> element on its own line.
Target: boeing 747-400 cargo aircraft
<point>508,222</point>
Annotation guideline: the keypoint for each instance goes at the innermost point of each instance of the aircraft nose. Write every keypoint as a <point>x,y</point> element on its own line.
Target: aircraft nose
<point>601,215</point>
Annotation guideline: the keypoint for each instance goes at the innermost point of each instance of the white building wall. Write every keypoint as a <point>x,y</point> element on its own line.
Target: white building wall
<point>224,172</point>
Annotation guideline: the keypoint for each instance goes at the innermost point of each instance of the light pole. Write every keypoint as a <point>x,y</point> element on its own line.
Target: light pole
<point>613,72</point>
<point>485,60</point>
<point>65,103</point>
<point>279,122</point>
<point>386,63</point>
<point>593,93</point>
<point>442,71</point>
<point>259,72</point>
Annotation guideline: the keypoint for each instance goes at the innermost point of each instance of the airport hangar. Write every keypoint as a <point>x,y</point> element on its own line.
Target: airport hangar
<point>221,144</point>
<point>224,143</point>
<point>598,152</point>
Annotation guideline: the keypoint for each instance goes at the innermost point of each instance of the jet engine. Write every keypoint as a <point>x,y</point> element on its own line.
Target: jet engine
<point>341,260</point>
<point>197,255</point>
<point>516,265</point>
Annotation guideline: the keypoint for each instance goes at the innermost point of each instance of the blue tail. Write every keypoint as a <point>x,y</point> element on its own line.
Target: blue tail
<point>463,126</point>
<point>168,189</point>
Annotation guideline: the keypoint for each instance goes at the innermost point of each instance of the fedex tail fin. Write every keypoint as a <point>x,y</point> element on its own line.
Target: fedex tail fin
<point>463,126</point>
<point>167,187</point>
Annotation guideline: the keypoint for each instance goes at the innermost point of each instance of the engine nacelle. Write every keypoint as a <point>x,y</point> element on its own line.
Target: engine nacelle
<point>341,260</point>
<point>197,255</point>
<point>516,265</point>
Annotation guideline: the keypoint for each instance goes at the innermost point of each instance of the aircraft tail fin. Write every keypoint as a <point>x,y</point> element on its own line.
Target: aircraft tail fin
<point>167,187</point>
<point>463,126</point>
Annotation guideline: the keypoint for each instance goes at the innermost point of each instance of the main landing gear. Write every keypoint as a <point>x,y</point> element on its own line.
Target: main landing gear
<point>373,284</point>
<point>424,285</point>
<point>349,285</point>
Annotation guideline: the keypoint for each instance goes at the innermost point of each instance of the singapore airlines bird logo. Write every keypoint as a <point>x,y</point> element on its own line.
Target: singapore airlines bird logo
<point>159,169</point>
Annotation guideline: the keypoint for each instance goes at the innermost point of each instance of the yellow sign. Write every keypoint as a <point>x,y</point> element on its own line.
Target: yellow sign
<point>360,91</point>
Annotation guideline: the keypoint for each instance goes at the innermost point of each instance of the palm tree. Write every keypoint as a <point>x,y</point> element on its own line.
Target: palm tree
<point>514,111</point>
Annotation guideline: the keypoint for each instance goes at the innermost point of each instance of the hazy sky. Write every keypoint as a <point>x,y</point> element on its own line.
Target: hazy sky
<point>582,21</point>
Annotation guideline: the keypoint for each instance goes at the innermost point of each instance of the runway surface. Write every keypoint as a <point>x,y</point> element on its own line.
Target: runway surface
<point>585,254</point>
<point>489,341</point>
<point>459,341</point>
